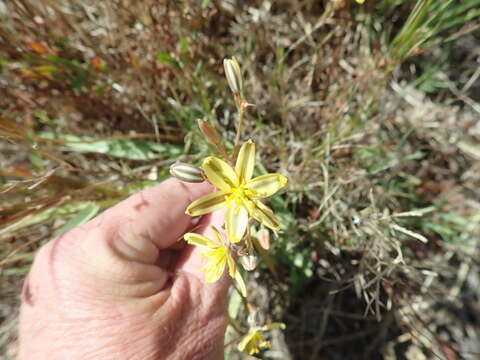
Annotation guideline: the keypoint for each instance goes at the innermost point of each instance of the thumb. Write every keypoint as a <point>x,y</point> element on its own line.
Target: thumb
<point>115,253</point>
<point>138,229</point>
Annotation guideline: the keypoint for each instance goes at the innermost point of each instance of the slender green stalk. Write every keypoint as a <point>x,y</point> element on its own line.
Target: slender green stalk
<point>241,112</point>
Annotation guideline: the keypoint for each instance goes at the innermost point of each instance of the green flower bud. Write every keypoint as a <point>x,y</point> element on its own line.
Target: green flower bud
<point>234,76</point>
<point>187,173</point>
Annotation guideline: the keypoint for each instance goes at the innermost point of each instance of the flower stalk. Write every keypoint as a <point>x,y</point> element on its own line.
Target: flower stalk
<point>239,130</point>
<point>242,195</point>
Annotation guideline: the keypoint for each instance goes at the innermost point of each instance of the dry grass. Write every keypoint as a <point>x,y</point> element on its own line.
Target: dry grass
<point>379,141</point>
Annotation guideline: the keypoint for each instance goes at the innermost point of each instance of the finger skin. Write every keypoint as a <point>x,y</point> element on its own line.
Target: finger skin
<point>152,214</point>
<point>97,292</point>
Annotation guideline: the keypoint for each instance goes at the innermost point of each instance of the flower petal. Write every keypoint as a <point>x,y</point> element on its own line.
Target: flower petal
<point>215,266</point>
<point>207,204</point>
<point>236,220</point>
<point>252,342</point>
<point>217,234</point>
<point>274,325</point>
<point>199,240</point>
<point>242,346</point>
<point>245,162</point>
<point>231,265</point>
<point>240,283</point>
<point>266,185</point>
<point>265,215</point>
<point>219,173</point>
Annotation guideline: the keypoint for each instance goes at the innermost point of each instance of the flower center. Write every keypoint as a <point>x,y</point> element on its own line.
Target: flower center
<point>239,192</point>
<point>241,196</point>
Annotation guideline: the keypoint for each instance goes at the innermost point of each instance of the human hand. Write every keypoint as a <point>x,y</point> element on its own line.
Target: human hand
<point>122,287</point>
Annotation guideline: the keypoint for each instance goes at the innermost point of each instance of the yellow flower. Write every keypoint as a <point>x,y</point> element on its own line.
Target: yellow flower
<point>254,341</point>
<point>238,192</point>
<point>218,255</point>
<point>360,1</point>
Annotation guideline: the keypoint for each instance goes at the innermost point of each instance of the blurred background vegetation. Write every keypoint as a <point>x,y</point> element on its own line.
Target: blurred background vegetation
<point>370,110</point>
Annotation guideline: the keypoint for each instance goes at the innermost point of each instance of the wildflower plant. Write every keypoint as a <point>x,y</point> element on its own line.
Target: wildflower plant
<point>254,340</point>
<point>242,195</point>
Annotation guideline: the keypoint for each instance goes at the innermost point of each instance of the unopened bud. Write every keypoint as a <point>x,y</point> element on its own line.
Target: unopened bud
<point>234,76</point>
<point>209,132</point>
<point>263,237</point>
<point>186,172</point>
<point>249,262</point>
<point>253,318</point>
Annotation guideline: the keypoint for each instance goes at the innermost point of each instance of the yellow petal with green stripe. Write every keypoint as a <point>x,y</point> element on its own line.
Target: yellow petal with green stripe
<point>220,174</point>
<point>231,265</point>
<point>274,325</point>
<point>215,267</point>
<point>247,345</point>
<point>245,162</point>
<point>265,215</point>
<point>207,204</point>
<point>236,220</point>
<point>199,240</point>
<point>266,185</point>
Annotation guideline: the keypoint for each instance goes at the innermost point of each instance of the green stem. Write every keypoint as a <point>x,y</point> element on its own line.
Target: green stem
<point>239,130</point>
<point>221,149</point>
<point>266,258</point>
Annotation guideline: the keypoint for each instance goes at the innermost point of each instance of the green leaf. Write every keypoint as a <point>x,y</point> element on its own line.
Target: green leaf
<point>2,64</point>
<point>90,210</point>
<point>304,263</point>
<point>165,58</point>
<point>393,162</point>
<point>44,215</point>
<point>43,118</point>
<point>184,45</point>
<point>36,160</point>
<point>470,148</point>
<point>121,148</point>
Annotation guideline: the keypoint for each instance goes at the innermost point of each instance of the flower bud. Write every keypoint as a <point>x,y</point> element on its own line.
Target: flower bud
<point>253,318</point>
<point>263,237</point>
<point>186,172</point>
<point>209,132</point>
<point>249,262</point>
<point>234,76</point>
